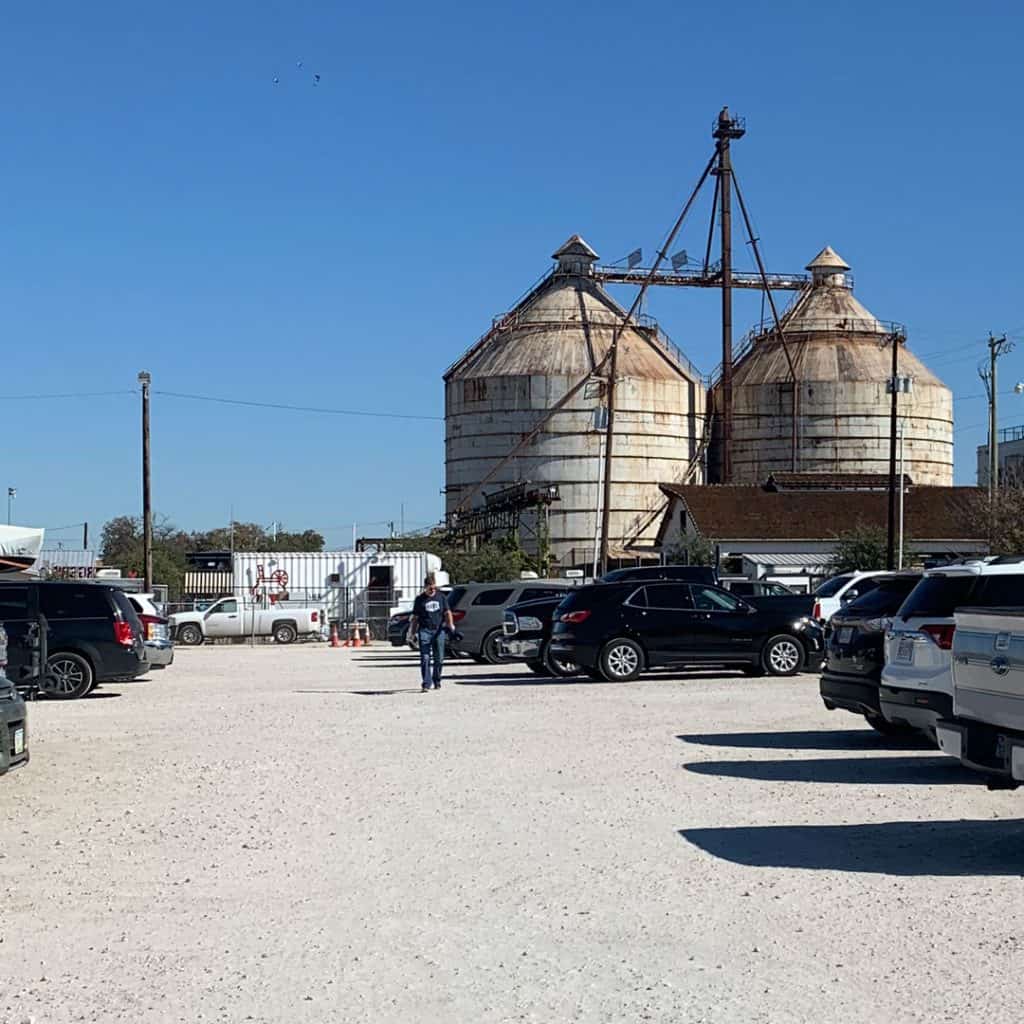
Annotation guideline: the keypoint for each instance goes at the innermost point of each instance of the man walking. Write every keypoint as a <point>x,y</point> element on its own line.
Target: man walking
<point>431,619</point>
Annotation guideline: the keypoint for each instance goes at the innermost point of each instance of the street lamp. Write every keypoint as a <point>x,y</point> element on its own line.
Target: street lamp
<point>12,493</point>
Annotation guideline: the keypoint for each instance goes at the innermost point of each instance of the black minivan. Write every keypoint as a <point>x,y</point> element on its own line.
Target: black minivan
<point>92,635</point>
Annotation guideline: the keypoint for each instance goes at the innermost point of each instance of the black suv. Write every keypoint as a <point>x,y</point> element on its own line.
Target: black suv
<point>92,635</point>
<point>614,631</point>
<point>855,651</point>
<point>644,573</point>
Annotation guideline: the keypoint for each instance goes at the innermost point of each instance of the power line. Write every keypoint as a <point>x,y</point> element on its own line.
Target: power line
<point>297,408</point>
<point>75,394</point>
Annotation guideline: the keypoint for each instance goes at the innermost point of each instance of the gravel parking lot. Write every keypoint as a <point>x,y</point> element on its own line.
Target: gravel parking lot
<point>298,834</point>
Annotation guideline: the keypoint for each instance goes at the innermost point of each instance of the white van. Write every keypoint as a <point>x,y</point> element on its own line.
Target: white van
<point>917,679</point>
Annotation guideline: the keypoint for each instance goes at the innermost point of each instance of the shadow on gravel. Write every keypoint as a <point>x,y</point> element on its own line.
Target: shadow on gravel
<point>99,695</point>
<point>508,679</point>
<point>889,848</point>
<point>815,739</point>
<point>896,771</point>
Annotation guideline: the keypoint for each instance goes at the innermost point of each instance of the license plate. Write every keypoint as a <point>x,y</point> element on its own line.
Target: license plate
<point>19,742</point>
<point>905,651</point>
<point>845,634</point>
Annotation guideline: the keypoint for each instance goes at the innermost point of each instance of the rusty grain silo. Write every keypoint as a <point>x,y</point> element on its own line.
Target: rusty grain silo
<point>526,362</point>
<point>842,355</point>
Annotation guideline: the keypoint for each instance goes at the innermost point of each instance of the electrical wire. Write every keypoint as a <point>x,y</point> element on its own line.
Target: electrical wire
<point>74,394</point>
<point>298,408</point>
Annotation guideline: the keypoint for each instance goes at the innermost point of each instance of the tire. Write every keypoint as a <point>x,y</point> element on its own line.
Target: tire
<point>538,668</point>
<point>190,635</point>
<point>783,655</point>
<point>285,633</point>
<point>69,676</point>
<point>621,660</point>
<point>557,667</point>
<point>886,728</point>
<point>489,648</point>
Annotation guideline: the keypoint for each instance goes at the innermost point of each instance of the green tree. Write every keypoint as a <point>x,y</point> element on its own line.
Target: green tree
<point>864,548</point>
<point>692,550</point>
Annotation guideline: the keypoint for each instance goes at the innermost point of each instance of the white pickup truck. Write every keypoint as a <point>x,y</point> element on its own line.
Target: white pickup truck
<point>230,617</point>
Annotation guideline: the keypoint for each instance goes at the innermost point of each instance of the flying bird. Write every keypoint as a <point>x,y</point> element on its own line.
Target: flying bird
<point>316,79</point>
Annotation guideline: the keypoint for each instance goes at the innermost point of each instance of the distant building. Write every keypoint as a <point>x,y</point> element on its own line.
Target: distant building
<point>1011,458</point>
<point>771,531</point>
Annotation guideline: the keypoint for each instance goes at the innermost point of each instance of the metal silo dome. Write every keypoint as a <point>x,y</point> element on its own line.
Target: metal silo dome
<point>529,359</point>
<point>842,358</point>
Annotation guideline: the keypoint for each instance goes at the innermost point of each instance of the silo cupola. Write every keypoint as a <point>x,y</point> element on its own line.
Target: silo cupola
<point>575,257</point>
<point>829,268</point>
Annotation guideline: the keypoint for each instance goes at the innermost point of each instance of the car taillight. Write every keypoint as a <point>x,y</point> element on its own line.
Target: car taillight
<point>458,616</point>
<point>123,634</point>
<point>314,618</point>
<point>941,634</point>
<point>816,614</point>
<point>575,616</point>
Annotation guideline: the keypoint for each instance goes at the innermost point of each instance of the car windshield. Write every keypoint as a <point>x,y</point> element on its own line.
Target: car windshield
<point>938,596</point>
<point>832,587</point>
<point>885,599</point>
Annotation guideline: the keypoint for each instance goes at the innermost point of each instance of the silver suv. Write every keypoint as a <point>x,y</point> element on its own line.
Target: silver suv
<point>480,611</point>
<point>917,679</point>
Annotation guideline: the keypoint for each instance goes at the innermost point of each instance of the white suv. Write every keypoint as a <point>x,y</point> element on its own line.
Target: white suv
<point>833,594</point>
<point>917,680</point>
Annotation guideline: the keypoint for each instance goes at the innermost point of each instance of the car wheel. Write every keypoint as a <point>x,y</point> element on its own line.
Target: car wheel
<point>489,649</point>
<point>190,635</point>
<point>68,676</point>
<point>284,633</point>
<point>621,660</point>
<point>886,728</point>
<point>559,667</point>
<point>538,668</point>
<point>782,656</point>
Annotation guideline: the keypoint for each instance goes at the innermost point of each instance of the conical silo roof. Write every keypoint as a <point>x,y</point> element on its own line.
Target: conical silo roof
<point>564,327</point>
<point>831,336</point>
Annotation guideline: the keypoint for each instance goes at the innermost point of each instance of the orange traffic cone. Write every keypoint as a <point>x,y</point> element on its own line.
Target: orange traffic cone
<point>335,642</point>
<point>357,640</point>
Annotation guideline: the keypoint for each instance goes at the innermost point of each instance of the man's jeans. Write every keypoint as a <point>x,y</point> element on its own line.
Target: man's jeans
<point>431,649</point>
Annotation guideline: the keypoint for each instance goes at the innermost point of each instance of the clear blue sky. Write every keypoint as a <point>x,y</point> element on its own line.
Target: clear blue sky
<point>168,207</point>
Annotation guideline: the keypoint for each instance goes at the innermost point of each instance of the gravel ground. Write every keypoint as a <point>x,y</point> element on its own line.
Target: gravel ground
<point>300,835</point>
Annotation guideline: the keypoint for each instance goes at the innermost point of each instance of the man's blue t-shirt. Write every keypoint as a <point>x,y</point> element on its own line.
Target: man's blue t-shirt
<point>430,610</point>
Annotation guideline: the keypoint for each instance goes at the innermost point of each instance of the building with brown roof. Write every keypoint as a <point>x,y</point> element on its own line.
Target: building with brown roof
<point>781,532</point>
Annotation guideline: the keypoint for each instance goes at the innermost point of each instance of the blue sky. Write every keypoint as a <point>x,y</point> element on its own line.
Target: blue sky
<point>168,207</point>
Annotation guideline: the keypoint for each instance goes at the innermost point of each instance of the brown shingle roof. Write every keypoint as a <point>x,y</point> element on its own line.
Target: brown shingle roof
<point>751,513</point>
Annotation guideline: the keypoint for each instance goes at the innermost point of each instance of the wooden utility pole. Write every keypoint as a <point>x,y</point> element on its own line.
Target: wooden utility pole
<point>996,348</point>
<point>896,385</point>
<point>147,497</point>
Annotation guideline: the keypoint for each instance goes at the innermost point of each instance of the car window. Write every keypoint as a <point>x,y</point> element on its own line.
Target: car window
<point>231,607</point>
<point>534,593</point>
<point>674,596</point>
<point>455,595</point>
<point>885,599</point>
<point>707,599</point>
<point>135,604</point>
<point>63,601</point>
<point>832,587</point>
<point>492,598</point>
<point>999,592</point>
<point>13,603</point>
<point>938,596</point>
<point>778,589</point>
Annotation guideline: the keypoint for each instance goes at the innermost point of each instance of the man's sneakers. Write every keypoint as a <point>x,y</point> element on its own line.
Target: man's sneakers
<point>437,686</point>
<point>426,689</point>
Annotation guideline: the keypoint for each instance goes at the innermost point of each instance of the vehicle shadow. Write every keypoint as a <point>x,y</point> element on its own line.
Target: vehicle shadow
<point>894,771</point>
<point>517,679</point>
<point>813,739</point>
<point>890,848</point>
